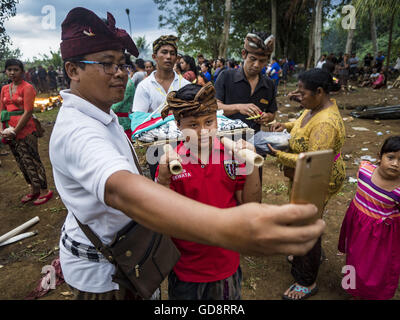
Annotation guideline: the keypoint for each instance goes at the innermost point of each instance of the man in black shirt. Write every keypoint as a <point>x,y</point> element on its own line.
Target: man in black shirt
<point>245,92</point>
<point>368,60</point>
<point>52,75</point>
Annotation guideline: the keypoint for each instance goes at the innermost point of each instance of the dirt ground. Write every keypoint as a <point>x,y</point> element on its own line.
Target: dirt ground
<point>264,278</point>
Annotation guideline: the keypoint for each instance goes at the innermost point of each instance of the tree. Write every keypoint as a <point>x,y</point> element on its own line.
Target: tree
<point>318,30</point>
<point>390,8</point>
<point>7,10</point>
<point>198,23</point>
<point>7,53</point>
<point>274,25</point>
<point>225,35</point>
<point>349,42</point>
<point>311,39</point>
<point>143,47</point>
<point>45,60</point>
<point>373,32</point>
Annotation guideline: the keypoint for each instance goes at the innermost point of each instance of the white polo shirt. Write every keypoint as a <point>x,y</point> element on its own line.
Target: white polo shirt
<point>149,94</point>
<point>87,146</point>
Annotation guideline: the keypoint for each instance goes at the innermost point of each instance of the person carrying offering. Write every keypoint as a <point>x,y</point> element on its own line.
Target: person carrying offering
<point>212,177</point>
<point>96,173</point>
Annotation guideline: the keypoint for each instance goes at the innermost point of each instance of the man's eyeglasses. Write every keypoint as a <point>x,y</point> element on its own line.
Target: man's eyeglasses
<point>110,68</point>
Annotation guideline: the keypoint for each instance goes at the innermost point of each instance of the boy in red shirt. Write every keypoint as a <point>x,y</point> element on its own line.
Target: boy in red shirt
<point>210,176</point>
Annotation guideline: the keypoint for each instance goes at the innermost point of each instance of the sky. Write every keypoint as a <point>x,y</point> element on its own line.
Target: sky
<point>36,28</point>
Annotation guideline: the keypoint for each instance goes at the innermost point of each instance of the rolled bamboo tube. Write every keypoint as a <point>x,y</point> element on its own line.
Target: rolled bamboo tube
<point>174,166</point>
<point>19,229</point>
<point>250,156</point>
<point>18,237</point>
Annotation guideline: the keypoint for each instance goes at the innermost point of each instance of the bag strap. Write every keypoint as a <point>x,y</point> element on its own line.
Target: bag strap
<point>94,239</point>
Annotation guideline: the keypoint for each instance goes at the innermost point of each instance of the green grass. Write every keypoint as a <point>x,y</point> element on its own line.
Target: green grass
<point>47,116</point>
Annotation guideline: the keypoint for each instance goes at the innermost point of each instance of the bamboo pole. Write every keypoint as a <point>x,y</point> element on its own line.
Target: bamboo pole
<point>250,156</point>
<point>18,238</point>
<point>174,166</point>
<point>19,229</point>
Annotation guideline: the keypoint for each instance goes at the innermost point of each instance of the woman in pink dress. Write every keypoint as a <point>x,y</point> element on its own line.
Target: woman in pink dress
<point>380,81</point>
<point>370,233</point>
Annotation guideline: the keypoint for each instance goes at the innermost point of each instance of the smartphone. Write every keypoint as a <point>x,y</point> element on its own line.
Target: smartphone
<point>311,180</point>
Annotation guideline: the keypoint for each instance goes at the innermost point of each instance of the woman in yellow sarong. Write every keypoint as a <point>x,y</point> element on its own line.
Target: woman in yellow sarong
<point>320,127</point>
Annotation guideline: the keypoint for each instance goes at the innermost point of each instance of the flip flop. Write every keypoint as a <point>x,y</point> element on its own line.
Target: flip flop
<point>29,197</point>
<point>307,292</point>
<point>43,199</point>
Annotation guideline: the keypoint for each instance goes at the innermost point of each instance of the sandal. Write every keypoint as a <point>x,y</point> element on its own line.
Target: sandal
<point>29,197</point>
<point>43,199</point>
<point>307,292</point>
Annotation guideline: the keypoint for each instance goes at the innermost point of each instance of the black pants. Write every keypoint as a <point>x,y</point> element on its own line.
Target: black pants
<point>305,268</point>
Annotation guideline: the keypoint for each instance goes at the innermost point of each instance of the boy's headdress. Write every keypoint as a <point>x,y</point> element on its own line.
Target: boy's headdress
<point>203,103</point>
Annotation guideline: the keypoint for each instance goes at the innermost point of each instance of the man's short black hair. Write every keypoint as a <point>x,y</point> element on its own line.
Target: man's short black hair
<point>140,63</point>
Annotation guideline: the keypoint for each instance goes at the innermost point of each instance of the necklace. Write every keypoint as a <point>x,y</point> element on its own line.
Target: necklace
<point>11,89</point>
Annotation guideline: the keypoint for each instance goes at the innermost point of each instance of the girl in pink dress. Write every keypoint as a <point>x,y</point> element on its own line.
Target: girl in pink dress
<point>370,233</point>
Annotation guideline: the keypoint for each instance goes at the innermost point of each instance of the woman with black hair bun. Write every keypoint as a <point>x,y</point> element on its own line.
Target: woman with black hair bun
<point>19,131</point>
<point>320,127</point>
<point>188,67</point>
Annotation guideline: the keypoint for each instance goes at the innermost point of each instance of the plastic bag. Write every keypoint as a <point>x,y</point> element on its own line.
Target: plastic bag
<point>278,141</point>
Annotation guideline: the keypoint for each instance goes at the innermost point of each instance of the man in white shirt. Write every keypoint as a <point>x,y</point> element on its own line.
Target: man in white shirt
<point>321,62</point>
<point>151,93</point>
<point>98,181</point>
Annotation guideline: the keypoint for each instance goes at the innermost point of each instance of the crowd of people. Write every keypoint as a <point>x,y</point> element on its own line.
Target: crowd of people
<point>202,70</point>
<point>45,81</point>
<point>369,72</point>
<point>98,176</point>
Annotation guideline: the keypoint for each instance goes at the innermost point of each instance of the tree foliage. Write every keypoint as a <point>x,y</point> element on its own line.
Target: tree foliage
<point>7,10</point>
<point>335,36</point>
<point>198,23</point>
<point>46,60</point>
<point>143,47</point>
